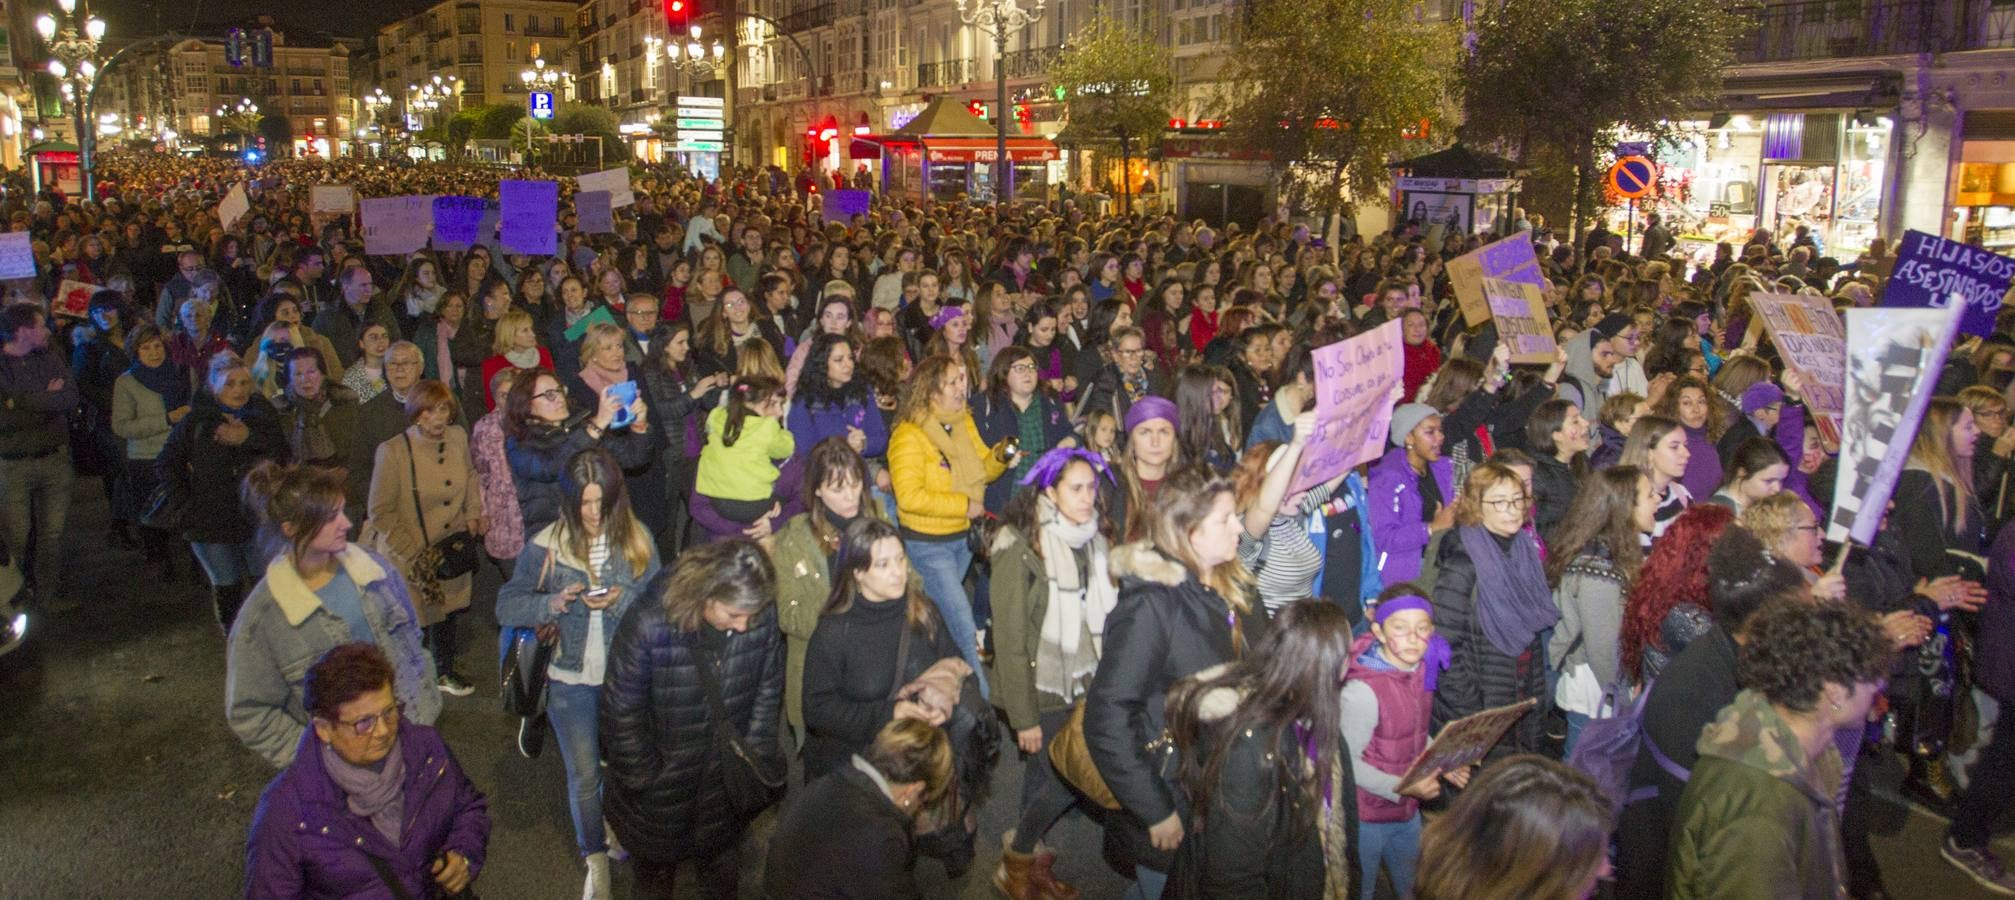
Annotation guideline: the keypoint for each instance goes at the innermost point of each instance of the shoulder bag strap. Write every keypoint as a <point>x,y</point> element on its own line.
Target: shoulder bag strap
<point>384,871</point>
<point>413,481</point>
<point>902,659</point>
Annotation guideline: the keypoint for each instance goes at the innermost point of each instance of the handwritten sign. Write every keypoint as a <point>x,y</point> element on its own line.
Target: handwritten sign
<point>842,206</point>
<point>1510,259</point>
<point>1893,360</point>
<point>72,300</point>
<point>1464,741</point>
<point>334,199</point>
<point>234,206</point>
<point>457,221</point>
<point>1520,312</point>
<point>1811,341</point>
<point>595,214</point>
<point>396,225</point>
<point>17,255</point>
<point>1932,271</point>
<point>1355,381</point>
<point>614,182</point>
<point>530,212</point>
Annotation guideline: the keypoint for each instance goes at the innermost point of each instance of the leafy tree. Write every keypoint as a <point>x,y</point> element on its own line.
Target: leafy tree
<point>1554,81</point>
<point>1328,87</point>
<point>1116,83</point>
<point>279,134</point>
<point>494,121</point>
<point>580,118</point>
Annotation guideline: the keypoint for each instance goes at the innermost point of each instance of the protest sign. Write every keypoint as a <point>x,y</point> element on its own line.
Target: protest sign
<point>598,315</point>
<point>1355,381</point>
<point>396,225</point>
<point>842,206</point>
<point>1931,271</point>
<point>17,255</point>
<point>456,220</point>
<point>334,199</point>
<point>234,205</point>
<point>1465,741</point>
<point>593,213</point>
<point>1520,311</point>
<point>530,210</point>
<point>614,182</point>
<point>1811,341</point>
<point>1893,360</point>
<point>1510,259</point>
<point>72,300</point>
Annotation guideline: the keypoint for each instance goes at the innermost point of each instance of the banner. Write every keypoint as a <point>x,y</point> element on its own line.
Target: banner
<point>17,255</point>
<point>456,222</point>
<point>842,206</point>
<point>1893,360</point>
<point>234,206</point>
<point>1811,341</point>
<point>336,199</point>
<point>1510,259</point>
<point>615,182</point>
<point>1520,312</point>
<point>1932,270</point>
<point>72,300</point>
<point>396,225</point>
<point>530,213</point>
<point>593,213</point>
<point>1355,383</point>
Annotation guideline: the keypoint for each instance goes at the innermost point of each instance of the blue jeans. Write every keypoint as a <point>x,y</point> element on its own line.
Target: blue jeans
<point>1394,844</point>
<point>1147,884</point>
<point>230,563</point>
<point>942,565</point>
<point>572,709</point>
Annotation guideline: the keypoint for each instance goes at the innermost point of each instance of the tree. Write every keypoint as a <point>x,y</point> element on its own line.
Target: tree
<point>582,119</point>
<point>494,121</point>
<point>279,134</point>
<point>243,124</point>
<point>1328,87</point>
<point>1554,80</point>
<point>1116,83</point>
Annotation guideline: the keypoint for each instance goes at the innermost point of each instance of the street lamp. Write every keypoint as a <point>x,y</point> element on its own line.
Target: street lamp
<point>999,19</point>
<point>73,48</point>
<point>233,117</point>
<point>377,102</point>
<point>695,57</point>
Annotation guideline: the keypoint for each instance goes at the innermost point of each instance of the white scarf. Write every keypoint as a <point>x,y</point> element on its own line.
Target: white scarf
<point>1077,605</point>
<point>523,359</point>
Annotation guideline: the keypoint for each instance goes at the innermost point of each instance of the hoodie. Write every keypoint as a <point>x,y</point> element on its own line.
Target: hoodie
<point>1579,381</point>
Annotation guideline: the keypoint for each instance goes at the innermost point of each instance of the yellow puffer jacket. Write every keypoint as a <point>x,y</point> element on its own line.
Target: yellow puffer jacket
<point>925,500</point>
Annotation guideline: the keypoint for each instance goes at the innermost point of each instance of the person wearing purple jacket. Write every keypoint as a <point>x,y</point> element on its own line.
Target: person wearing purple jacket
<point>829,401</point>
<point>372,806</point>
<point>1690,401</point>
<point>1412,492</point>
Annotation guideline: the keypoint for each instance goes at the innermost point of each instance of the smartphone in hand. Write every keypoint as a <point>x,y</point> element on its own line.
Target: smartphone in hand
<point>625,393</point>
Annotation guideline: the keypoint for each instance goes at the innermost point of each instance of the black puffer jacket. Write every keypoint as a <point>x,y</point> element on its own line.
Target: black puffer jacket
<point>664,794</point>
<point>1553,489</point>
<point>1166,626</point>
<point>1480,677</point>
<point>539,461</point>
<point>206,473</point>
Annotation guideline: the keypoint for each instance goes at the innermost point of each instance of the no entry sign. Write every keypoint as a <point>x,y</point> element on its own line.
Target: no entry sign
<point>1633,176</point>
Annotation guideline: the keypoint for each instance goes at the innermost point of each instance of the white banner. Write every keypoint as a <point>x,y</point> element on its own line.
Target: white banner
<point>615,181</point>
<point>1894,355</point>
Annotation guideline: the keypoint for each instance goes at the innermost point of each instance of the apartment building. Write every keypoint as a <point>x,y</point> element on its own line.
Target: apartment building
<point>182,85</point>
<point>476,48</point>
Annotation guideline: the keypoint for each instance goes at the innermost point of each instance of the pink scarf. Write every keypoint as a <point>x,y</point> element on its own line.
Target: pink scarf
<point>601,380</point>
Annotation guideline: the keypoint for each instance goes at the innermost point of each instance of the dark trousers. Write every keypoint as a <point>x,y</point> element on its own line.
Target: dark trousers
<point>1991,788</point>
<point>719,877</point>
<point>441,639</point>
<point>1044,796</point>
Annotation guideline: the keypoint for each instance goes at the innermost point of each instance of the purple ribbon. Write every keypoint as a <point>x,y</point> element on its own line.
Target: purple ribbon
<point>1439,653</point>
<point>1050,466</point>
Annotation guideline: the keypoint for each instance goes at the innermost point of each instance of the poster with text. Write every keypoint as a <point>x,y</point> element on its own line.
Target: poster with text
<point>396,225</point>
<point>614,182</point>
<point>530,211</point>
<point>593,212</point>
<point>17,255</point>
<point>1520,311</point>
<point>1893,360</point>
<point>457,221</point>
<point>842,206</point>
<point>1464,742</point>
<point>1355,382</point>
<point>1510,259</point>
<point>234,205</point>
<point>1932,271</point>
<point>1810,339</point>
<point>333,199</point>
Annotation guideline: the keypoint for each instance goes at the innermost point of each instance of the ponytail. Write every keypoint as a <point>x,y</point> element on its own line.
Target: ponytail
<point>748,393</point>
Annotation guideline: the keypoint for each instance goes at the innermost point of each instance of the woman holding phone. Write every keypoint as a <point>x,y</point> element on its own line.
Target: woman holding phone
<point>604,368</point>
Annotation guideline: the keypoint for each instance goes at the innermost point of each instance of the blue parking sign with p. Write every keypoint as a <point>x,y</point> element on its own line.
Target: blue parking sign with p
<point>540,104</point>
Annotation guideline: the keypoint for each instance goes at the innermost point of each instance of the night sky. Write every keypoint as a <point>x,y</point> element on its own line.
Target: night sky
<point>132,19</point>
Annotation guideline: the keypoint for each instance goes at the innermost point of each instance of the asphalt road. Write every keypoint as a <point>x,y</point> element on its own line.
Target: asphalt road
<point>119,779</point>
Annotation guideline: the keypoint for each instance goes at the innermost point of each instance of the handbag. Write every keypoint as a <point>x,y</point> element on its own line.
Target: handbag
<point>164,509</point>
<point>454,555</point>
<point>1070,756</point>
<point>753,782</point>
<point>525,655</point>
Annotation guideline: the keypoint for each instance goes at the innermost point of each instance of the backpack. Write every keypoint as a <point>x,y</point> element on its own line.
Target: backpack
<point>1607,748</point>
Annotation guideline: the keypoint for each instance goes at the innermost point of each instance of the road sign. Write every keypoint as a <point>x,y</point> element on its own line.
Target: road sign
<point>539,104</point>
<point>1633,177</point>
<point>1633,148</point>
<point>699,146</point>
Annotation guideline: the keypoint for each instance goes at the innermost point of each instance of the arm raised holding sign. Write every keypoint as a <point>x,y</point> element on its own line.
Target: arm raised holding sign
<point>1279,474</point>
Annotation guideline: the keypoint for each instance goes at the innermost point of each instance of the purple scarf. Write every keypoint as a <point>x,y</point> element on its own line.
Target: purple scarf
<point>379,796</point>
<point>1513,603</point>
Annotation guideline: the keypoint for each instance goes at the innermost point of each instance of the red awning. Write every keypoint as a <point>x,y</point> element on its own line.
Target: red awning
<point>965,149</point>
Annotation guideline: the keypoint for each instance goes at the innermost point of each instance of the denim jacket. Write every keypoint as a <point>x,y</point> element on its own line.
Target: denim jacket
<point>526,600</point>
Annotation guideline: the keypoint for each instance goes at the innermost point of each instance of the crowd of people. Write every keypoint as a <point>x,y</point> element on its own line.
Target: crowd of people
<point>892,496</point>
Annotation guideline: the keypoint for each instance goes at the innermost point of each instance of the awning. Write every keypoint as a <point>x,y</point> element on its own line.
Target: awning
<point>986,150</point>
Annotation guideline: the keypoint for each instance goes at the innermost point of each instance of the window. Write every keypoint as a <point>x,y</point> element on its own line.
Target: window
<point>507,23</point>
<point>295,84</point>
<point>531,24</point>
<point>510,51</point>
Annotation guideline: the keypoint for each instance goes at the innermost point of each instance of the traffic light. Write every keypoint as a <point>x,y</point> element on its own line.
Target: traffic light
<point>677,16</point>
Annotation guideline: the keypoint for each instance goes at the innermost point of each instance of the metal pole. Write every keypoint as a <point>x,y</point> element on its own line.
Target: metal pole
<point>1003,170</point>
<point>86,137</point>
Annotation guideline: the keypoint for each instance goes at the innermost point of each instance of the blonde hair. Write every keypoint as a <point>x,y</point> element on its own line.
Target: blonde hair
<point>599,336</point>
<point>1773,518</point>
<point>1469,504</point>
<point>1932,453</point>
<point>507,330</point>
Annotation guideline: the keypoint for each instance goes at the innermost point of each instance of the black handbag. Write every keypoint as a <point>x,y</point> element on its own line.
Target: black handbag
<point>526,654</point>
<point>454,555</point>
<point>754,781</point>
<point>164,509</point>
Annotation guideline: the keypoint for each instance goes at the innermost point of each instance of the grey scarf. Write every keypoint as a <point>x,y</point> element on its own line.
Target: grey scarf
<point>379,796</point>
<point>1513,603</point>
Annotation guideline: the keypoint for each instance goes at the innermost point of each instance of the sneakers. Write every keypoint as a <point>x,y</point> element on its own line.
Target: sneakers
<point>597,886</point>
<point>1982,865</point>
<point>531,736</point>
<point>453,684</point>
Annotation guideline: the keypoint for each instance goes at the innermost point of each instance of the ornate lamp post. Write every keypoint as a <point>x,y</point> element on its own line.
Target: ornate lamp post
<point>999,19</point>
<point>377,101</point>
<point>73,44</point>
<point>695,58</point>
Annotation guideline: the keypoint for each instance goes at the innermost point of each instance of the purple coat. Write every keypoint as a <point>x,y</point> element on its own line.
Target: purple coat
<point>306,843</point>
<point>1703,466</point>
<point>1396,527</point>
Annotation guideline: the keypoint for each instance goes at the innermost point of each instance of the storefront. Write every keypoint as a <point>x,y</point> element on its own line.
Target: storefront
<point>1983,185</point>
<point>945,152</point>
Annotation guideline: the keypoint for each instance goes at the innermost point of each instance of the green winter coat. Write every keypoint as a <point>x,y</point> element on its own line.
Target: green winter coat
<point>802,590</point>
<point>1757,818</point>
<point>1020,596</point>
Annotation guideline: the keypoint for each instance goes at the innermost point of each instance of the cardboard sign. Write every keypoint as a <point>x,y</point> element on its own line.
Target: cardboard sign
<point>457,221</point>
<point>334,199</point>
<point>1464,741</point>
<point>1510,259</point>
<point>1520,312</point>
<point>17,255</point>
<point>842,206</point>
<point>593,212</point>
<point>72,300</point>
<point>1932,271</point>
<point>1893,360</point>
<point>396,225</point>
<point>1811,341</point>
<point>614,182</point>
<point>1355,381</point>
<point>594,316</point>
<point>234,206</point>
<point>530,211</point>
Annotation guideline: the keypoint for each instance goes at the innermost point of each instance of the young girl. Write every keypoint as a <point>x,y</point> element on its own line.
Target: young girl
<point>1388,689</point>
<point>746,442</point>
<point>1101,434</point>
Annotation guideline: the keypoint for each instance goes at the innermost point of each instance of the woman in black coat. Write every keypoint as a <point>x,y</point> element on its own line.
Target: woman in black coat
<point>715,632</point>
<point>98,363</point>
<point>541,433</point>
<point>849,837</point>
<point>229,429</point>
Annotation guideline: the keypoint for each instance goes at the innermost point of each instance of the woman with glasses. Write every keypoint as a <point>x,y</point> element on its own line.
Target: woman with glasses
<point>320,591</point>
<point>1128,376</point>
<point>368,785</point>
<point>718,342</point>
<point>1014,405</point>
<point>1492,602</point>
<point>1991,452</point>
<point>541,433</point>
<point>1789,531</point>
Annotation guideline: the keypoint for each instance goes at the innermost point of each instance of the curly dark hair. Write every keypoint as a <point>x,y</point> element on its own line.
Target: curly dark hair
<point>814,389</point>
<point>1796,649</point>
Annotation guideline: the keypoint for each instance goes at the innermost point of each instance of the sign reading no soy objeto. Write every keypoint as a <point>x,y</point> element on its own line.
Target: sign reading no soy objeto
<point>1355,383</point>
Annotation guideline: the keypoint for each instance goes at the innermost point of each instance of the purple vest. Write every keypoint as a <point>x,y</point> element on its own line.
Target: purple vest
<point>1401,733</point>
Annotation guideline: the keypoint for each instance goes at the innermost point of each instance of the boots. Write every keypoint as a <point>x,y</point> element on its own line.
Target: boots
<point>229,598</point>
<point>1029,876</point>
<point>597,886</point>
<point>1930,783</point>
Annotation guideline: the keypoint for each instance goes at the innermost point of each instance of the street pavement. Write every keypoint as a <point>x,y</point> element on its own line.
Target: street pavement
<point>119,778</point>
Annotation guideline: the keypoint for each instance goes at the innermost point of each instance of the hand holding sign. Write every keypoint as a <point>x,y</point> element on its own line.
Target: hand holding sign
<point>1354,381</point>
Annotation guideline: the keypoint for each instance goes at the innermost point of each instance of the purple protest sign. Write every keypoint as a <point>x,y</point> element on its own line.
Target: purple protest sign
<point>1355,380</point>
<point>455,222</point>
<point>530,214</point>
<point>1930,271</point>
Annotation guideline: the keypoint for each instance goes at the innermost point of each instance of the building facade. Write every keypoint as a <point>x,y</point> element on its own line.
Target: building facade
<point>464,53</point>
<point>181,85</point>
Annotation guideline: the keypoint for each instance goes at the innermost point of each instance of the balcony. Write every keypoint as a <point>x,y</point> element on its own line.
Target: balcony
<point>640,95</point>
<point>808,19</point>
<point>636,50</point>
<point>1031,63</point>
<point>1833,29</point>
<point>950,73</point>
<point>470,59</point>
<point>555,30</point>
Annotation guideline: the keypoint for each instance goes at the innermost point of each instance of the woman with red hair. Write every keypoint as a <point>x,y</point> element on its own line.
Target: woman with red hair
<point>1667,607</point>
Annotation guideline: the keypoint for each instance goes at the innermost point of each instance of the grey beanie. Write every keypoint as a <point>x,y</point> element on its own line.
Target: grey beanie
<point>1408,417</point>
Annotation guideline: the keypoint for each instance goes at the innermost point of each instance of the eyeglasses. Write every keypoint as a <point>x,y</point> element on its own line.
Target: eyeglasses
<point>1508,504</point>
<point>369,724</point>
<point>1811,528</point>
<point>402,364</point>
<point>1022,368</point>
<point>1129,353</point>
<point>551,395</point>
